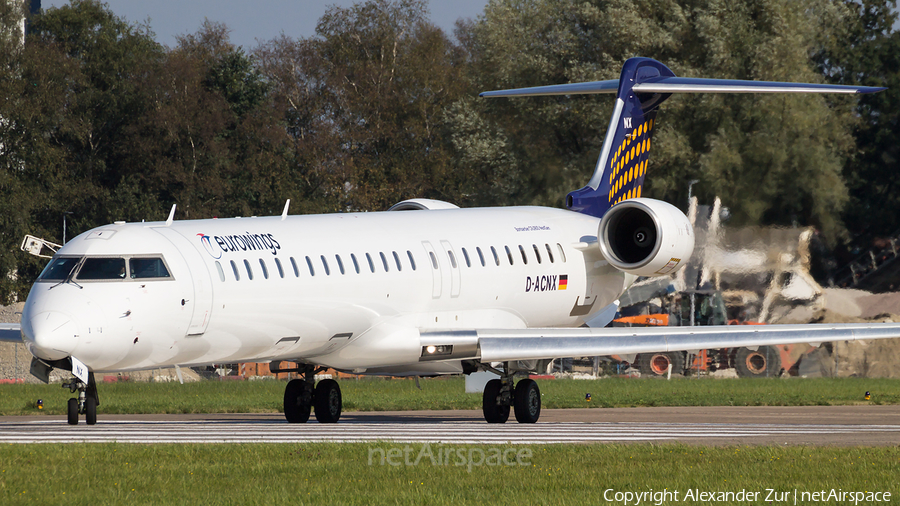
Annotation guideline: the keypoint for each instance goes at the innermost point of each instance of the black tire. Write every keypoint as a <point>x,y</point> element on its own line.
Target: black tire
<point>327,399</point>
<point>297,401</point>
<point>765,362</point>
<point>493,412</point>
<point>527,401</point>
<point>73,411</point>
<point>655,365</point>
<point>90,410</point>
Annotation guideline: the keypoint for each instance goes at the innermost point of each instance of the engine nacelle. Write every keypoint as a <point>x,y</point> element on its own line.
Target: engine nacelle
<point>646,237</point>
<point>422,205</point>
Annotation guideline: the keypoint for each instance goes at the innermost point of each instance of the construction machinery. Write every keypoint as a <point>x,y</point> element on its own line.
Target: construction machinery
<point>708,307</point>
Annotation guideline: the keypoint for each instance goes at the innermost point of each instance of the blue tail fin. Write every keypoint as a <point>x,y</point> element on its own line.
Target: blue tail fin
<point>620,170</point>
<point>642,86</point>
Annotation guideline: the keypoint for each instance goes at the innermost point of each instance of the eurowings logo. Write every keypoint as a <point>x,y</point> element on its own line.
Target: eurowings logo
<point>245,242</point>
<point>207,245</point>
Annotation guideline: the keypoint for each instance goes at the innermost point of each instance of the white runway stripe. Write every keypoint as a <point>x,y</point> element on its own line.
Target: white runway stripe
<point>266,431</point>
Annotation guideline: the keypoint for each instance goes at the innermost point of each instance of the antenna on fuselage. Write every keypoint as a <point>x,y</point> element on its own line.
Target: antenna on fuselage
<point>286,206</point>
<point>171,215</point>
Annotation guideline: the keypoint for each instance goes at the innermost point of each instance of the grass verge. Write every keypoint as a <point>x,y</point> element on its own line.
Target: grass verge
<point>90,474</point>
<point>376,394</point>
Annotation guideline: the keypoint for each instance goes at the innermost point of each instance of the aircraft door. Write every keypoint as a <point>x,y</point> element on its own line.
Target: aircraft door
<point>202,300</point>
<point>435,266</point>
<point>454,268</point>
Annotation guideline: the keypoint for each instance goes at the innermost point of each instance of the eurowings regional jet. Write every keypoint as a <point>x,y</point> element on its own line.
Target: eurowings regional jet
<point>424,288</point>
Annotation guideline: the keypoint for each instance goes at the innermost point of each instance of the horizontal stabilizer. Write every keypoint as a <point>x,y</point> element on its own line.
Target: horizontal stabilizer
<point>681,85</point>
<point>10,332</point>
<point>590,88</point>
<point>695,85</point>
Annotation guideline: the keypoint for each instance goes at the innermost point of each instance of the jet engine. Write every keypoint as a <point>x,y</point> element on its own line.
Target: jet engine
<point>646,237</point>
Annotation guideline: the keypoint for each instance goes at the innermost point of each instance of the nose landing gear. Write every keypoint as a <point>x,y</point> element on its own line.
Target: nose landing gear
<point>86,403</point>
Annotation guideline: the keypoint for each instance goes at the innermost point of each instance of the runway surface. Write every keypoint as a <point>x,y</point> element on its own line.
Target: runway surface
<point>818,425</point>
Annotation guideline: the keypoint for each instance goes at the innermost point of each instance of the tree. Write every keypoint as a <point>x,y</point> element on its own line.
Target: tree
<point>773,159</point>
<point>867,53</point>
<point>14,201</point>
<point>84,65</point>
<point>367,96</point>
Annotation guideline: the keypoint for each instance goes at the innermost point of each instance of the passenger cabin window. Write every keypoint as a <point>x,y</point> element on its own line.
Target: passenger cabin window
<point>537,253</point>
<point>433,260</point>
<point>496,257</point>
<point>397,261</point>
<point>265,269</point>
<point>522,251</point>
<point>384,262</point>
<point>59,269</point>
<point>509,255</point>
<point>249,271</point>
<point>340,263</point>
<point>221,272</point>
<point>148,268</point>
<point>562,254</point>
<point>237,274</point>
<point>280,268</point>
<point>466,256</point>
<point>452,259</point>
<point>312,271</point>
<point>355,262</point>
<point>549,252</point>
<point>371,263</point>
<point>325,264</point>
<point>480,255</point>
<point>412,261</point>
<point>102,268</point>
<point>296,269</point>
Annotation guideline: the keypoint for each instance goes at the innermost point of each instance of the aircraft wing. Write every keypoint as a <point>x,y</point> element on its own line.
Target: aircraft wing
<point>10,332</point>
<point>536,343</point>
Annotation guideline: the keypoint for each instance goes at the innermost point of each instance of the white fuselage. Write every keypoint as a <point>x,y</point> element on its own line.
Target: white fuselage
<point>350,291</point>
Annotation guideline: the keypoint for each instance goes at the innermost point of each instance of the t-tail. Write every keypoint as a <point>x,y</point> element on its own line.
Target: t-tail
<point>642,86</point>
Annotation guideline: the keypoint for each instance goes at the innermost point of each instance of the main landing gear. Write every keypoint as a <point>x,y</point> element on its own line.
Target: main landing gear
<point>499,395</point>
<point>86,403</point>
<point>302,395</point>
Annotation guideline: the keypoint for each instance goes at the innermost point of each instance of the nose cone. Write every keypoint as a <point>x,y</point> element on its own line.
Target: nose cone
<point>50,335</point>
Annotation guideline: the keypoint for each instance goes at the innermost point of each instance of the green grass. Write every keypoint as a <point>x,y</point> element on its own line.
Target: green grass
<point>375,394</point>
<point>91,474</point>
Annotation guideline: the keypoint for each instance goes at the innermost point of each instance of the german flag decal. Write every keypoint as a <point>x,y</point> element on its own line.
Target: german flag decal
<point>563,281</point>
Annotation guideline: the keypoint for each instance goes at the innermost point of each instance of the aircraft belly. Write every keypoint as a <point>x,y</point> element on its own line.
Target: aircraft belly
<point>394,343</point>
<point>273,331</point>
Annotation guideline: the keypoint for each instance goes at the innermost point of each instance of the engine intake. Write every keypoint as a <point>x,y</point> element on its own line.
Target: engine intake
<point>646,237</point>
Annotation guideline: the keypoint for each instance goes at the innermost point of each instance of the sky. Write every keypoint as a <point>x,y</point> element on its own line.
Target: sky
<point>254,20</point>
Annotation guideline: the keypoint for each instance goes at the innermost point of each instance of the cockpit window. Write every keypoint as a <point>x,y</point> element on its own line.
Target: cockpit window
<point>102,268</point>
<point>143,268</point>
<point>139,268</point>
<point>59,269</point>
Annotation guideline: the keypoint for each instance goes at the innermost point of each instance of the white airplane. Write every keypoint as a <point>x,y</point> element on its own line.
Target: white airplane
<point>425,288</point>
